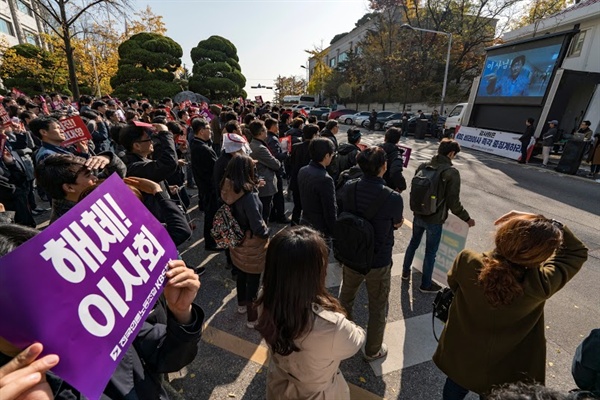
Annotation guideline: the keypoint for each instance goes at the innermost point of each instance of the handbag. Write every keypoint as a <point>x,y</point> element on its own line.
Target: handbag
<point>249,256</point>
<point>441,307</point>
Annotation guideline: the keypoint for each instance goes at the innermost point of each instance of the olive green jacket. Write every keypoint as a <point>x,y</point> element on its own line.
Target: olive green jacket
<point>482,346</point>
<point>448,192</point>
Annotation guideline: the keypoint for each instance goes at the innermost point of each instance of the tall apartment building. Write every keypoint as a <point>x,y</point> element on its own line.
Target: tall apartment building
<point>19,24</point>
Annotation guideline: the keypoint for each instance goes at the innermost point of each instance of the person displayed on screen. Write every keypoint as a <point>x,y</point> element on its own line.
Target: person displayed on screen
<point>514,83</point>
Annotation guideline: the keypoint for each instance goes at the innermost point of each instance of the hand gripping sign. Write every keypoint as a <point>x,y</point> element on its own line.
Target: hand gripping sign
<point>75,130</point>
<point>84,286</point>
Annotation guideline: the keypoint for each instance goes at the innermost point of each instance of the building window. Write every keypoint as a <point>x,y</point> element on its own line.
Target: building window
<point>577,44</point>
<point>25,8</point>
<point>332,62</point>
<point>6,27</point>
<point>342,57</point>
<point>31,38</point>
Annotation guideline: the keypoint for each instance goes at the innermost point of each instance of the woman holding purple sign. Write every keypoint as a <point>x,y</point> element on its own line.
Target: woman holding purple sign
<point>166,343</point>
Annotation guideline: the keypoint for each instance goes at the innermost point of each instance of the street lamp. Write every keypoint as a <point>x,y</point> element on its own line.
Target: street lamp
<point>307,76</point>
<point>447,59</point>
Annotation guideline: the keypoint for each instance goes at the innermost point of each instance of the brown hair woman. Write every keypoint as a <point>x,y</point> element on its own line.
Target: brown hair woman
<point>495,329</point>
<point>305,327</point>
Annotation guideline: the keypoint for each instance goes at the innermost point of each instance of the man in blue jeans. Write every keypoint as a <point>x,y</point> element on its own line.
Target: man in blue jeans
<point>448,196</point>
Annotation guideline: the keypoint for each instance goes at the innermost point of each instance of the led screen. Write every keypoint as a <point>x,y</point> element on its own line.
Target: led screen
<point>519,74</point>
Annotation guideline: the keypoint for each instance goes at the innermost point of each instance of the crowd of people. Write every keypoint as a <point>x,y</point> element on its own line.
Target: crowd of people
<point>245,159</point>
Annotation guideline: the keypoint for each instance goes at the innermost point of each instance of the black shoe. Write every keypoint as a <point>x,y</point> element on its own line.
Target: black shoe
<point>406,276</point>
<point>433,288</point>
<point>200,271</point>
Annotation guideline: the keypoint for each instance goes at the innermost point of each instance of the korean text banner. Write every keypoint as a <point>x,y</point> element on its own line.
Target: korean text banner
<point>75,130</point>
<point>84,286</point>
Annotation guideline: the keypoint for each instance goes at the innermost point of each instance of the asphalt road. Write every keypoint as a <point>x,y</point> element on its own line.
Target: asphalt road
<point>232,362</point>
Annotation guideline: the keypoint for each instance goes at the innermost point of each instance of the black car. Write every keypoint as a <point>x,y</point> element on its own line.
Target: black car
<point>382,119</point>
<point>412,125</point>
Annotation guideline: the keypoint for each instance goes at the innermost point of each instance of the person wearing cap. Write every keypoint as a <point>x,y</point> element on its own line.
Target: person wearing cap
<point>548,140</point>
<point>346,154</point>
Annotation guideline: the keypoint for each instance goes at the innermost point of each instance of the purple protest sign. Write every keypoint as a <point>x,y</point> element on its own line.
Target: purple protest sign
<point>405,155</point>
<point>84,285</point>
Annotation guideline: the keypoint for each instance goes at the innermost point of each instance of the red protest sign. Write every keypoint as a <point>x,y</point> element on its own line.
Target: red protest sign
<point>75,130</point>
<point>4,117</point>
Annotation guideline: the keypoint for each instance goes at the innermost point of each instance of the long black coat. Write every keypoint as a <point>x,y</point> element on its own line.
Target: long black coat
<point>317,196</point>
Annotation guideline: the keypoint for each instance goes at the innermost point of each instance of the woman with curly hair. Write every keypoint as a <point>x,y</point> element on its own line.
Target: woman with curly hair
<point>495,329</point>
<point>305,327</point>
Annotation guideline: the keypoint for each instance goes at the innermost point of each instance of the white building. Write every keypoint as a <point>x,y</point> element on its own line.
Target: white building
<point>18,23</point>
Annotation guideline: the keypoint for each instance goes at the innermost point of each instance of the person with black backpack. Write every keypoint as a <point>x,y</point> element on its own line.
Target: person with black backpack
<point>363,243</point>
<point>435,189</point>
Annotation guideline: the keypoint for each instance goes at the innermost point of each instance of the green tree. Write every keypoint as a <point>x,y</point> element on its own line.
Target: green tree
<point>217,73</point>
<point>147,65</point>
<point>61,17</point>
<point>288,86</point>
<point>33,70</point>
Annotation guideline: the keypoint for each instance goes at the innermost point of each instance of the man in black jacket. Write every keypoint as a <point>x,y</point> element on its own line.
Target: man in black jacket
<point>525,139</point>
<point>203,163</point>
<point>331,129</point>
<point>300,157</point>
<point>278,210</point>
<point>393,175</point>
<point>317,190</point>
<point>388,218</point>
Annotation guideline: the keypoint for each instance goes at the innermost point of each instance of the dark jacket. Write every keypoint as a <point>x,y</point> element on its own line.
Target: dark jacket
<point>448,193</point>
<point>276,151</point>
<point>586,363</point>
<point>393,175</point>
<point>203,164</point>
<point>248,213</point>
<point>100,136</point>
<point>300,157</point>
<point>317,196</point>
<point>329,135</point>
<point>161,346</point>
<point>346,156</point>
<point>220,167</point>
<point>157,170</point>
<point>167,212</point>
<point>527,135</point>
<point>389,214</point>
<point>296,134</point>
<point>481,345</point>
<point>550,137</point>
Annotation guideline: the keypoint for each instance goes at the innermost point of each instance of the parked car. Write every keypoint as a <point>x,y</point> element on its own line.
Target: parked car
<point>348,119</point>
<point>364,121</point>
<point>342,111</point>
<point>319,111</point>
<point>412,124</point>
<point>300,107</point>
<point>381,120</point>
<point>396,122</point>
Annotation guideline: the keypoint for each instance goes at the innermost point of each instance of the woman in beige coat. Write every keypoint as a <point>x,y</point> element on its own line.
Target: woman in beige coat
<point>495,329</point>
<point>305,327</point>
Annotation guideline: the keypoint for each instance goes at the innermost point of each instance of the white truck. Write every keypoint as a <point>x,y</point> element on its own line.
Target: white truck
<point>454,119</point>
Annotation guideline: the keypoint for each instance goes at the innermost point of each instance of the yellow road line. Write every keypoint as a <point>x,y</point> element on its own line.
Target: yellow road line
<point>259,354</point>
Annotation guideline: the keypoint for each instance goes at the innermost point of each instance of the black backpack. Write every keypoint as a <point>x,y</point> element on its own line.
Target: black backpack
<point>353,234</point>
<point>424,189</point>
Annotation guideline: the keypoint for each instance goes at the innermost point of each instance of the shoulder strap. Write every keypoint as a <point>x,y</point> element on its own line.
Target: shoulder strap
<point>378,203</point>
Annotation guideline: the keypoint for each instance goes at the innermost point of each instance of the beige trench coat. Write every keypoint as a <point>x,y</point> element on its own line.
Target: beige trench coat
<point>313,372</point>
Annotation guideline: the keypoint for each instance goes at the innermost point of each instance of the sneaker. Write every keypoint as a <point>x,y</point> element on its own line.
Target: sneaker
<point>406,276</point>
<point>241,310</point>
<point>433,288</point>
<point>380,354</point>
<point>251,324</point>
<point>200,271</point>
<point>544,166</point>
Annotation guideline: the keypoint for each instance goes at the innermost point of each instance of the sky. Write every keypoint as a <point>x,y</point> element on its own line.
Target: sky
<point>270,35</point>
